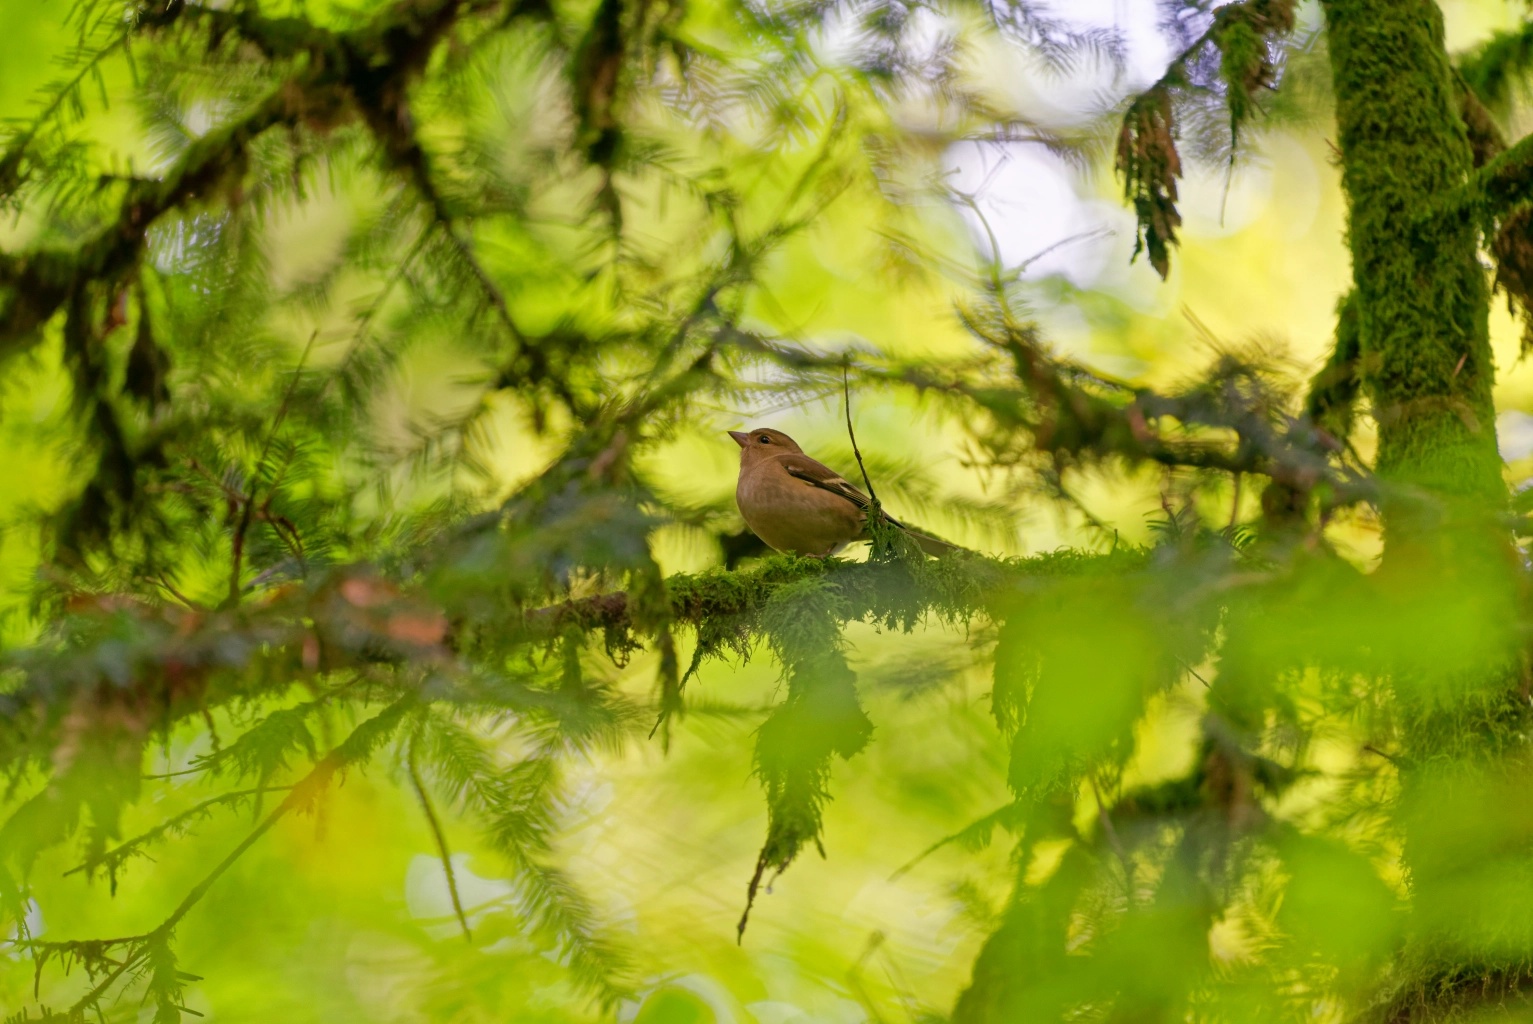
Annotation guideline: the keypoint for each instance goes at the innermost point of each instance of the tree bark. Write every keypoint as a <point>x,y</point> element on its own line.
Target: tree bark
<point>1422,297</point>
<point>1422,303</point>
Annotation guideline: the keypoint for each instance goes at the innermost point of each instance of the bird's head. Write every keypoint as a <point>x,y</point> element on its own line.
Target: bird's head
<point>762,443</point>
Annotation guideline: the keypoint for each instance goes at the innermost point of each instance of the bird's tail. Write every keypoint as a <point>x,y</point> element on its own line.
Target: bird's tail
<point>932,545</point>
<point>935,546</point>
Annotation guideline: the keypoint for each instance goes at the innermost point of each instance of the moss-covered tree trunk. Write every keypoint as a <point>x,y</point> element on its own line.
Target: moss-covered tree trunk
<point>1421,301</point>
<point>1421,293</point>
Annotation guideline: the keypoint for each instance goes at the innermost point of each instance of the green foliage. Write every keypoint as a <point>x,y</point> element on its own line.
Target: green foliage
<point>1494,69</point>
<point>280,545</point>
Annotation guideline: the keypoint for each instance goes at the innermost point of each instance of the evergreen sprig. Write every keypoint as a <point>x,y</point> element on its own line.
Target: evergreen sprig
<point>261,531</point>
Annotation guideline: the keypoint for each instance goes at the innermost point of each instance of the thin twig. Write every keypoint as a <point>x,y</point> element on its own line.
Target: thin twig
<point>846,392</point>
<point>1229,179</point>
<point>268,573</point>
<point>207,718</point>
<point>440,837</point>
<point>171,589</point>
<point>174,775</point>
<point>1392,759</point>
<point>1079,236</point>
<point>1193,672</point>
<point>93,997</point>
<point>365,321</point>
<point>854,977</point>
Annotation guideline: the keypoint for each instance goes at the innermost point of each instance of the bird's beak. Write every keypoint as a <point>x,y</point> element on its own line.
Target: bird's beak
<point>740,436</point>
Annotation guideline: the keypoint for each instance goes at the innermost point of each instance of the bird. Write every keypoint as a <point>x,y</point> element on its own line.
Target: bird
<point>802,507</point>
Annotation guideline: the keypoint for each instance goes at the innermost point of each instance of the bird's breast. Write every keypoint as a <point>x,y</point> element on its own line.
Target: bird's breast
<point>790,514</point>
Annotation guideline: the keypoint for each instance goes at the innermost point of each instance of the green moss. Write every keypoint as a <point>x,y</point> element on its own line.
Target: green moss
<point>1421,295</point>
<point>1333,392</point>
<point>733,591</point>
<point>723,604</point>
<point>1424,359</point>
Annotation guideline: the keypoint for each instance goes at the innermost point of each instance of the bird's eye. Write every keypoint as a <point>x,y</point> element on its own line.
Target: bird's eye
<point>764,439</point>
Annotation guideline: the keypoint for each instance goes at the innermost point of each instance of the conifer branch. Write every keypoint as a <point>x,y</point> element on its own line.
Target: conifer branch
<point>18,148</point>
<point>248,501</point>
<point>1494,70</point>
<point>1067,418</point>
<point>42,281</point>
<point>355,748</point>
<point>516,806</point>
<point>973,836</point>
<point>358,746</point>
<point>414,159</point>
<point>1110,833</point>
<point>1068,410</point>
<point>1502,183</point>
<point>112,860</point>
<point>450,593</point>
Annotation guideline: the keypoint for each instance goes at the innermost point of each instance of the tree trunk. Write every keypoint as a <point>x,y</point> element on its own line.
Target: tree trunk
<point>1422,304</point>
<point>1422,297</point>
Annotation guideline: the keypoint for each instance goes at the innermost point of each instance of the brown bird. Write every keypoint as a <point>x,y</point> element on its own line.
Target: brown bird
<point>797,505</point>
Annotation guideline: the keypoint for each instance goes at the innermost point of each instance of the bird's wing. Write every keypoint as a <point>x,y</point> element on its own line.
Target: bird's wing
<point>819,475</point>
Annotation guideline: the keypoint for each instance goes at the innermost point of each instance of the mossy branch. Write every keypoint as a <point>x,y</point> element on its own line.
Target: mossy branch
<point>1497,67</point>
<point>957,587</point>
<point>1503,182</point>
<point>39,283</point>
<point>1076,413</point>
